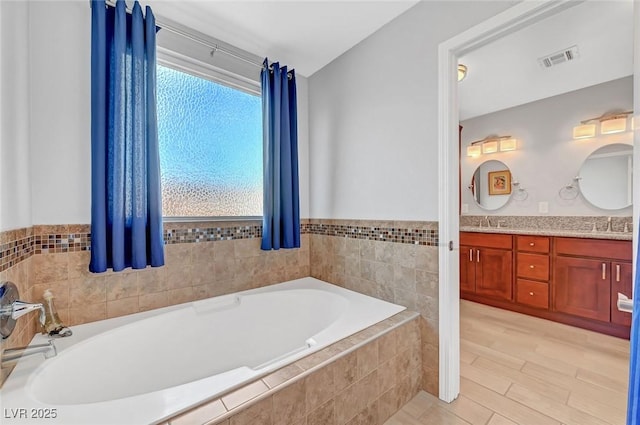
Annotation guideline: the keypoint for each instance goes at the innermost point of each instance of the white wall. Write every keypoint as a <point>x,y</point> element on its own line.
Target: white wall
<point>61,107</point>
<point>61,124</point>
<point>547,157</point>
<point>15,194</point>
<point>373,117</point>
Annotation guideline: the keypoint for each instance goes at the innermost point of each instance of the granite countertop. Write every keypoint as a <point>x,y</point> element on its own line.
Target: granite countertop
<point>621,236</point>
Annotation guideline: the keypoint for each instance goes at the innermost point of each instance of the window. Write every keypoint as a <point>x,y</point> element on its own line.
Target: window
<point>210,138</point>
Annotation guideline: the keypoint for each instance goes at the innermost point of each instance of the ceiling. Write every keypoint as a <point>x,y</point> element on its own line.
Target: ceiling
<point>506,72</point>
<point>308,34</point>
<point>304,34</point>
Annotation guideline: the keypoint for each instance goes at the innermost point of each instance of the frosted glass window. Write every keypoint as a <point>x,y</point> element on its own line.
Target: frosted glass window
<point>210,138</point>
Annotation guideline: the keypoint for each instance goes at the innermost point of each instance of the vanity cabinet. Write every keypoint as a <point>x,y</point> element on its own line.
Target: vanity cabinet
<point>569,280</point>
<point>486,265</point>
<point>588,276</point>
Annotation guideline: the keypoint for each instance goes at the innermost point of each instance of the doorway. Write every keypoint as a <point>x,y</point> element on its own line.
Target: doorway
<point>500,25</point>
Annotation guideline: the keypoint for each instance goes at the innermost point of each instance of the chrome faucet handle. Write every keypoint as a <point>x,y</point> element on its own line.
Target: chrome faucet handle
<point>11,308</point>
<point>20,308</point>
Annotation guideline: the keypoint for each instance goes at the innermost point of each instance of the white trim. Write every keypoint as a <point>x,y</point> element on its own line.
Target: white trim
<point>636,136</point>
<point>189,65</point>
<point>493,28</point>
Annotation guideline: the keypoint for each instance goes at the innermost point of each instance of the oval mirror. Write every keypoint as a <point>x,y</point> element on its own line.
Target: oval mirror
<point>606,177</point>
<point>491,185</point>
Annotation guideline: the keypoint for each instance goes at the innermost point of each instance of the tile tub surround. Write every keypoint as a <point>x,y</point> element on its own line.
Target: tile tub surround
<point>581,224</point>
<point>402,270</point>
<point>362,379</point>
<point>202,260</point>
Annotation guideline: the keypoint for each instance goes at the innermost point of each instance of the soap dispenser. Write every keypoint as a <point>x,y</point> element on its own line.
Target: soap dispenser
<point>52,324</point>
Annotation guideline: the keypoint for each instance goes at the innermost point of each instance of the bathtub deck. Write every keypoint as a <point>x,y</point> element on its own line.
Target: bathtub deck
<point>517,369</point>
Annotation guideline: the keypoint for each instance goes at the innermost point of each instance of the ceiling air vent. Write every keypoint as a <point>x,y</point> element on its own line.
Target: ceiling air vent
<point>564,55</point>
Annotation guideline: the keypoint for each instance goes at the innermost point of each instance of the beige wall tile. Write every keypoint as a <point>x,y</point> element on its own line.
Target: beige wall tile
<point>320,388</point>
<point>50,268</point>
<point>203,252</point>
<point>87,313</point>
<point>78,263</point>
<point>323,415</point>
<point>260,413</point>
<point>387,346</point>
<point>122,307</point>
<point>155,300</point>
<point>367,359</point>
<point>180,295</point>
<point>345,371</point>
<point>368,416</point>
<point>87,290</point>
<point>179,253</point>
<point>289,403</point>
<point>224,249</point>
<point>60,291</point>
<point>151,280</point>
<point>179,276</point>
<point>121,285</point>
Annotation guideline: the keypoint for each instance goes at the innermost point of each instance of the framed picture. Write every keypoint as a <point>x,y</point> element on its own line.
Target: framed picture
<point>499,182</point>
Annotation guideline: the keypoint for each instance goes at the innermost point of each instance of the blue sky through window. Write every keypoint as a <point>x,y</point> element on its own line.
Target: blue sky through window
<point>210,138</point>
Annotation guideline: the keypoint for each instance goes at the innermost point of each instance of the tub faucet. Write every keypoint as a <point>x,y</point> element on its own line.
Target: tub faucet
<point>20,308</point>
<point>12,354</point>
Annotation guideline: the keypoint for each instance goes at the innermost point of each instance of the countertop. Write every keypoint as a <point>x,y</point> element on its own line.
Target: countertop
<point>621,236</point>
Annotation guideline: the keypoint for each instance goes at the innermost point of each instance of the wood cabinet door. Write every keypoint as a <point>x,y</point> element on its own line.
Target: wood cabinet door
<point>622,282</point>
<point>494,270</point>
<point>582,287</point>
<point>467,269</point>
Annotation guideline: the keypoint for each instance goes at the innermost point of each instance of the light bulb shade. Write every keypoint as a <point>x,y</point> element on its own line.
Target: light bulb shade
<point>507,145</point>
<point>462,72</point>
<point>490,146</point>
<point>584,131</point>
<point>474,151</point>
<point>615,125</point>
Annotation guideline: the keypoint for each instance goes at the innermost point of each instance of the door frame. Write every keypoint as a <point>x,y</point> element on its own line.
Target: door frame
<point>504,23</point>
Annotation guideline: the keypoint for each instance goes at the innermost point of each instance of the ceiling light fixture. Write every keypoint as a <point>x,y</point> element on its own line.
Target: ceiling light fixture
<point>462,71</point>
<point>610,123</point>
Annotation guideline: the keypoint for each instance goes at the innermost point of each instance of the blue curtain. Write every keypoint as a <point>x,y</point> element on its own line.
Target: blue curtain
<point>281,214</point>
<point>126,206</point>
<point>633,402</point>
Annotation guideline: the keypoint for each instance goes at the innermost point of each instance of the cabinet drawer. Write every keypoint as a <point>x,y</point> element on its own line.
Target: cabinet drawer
<point>616,250</point>
<point>533,244</point>
<point>487,240</point>
<point>533,266</point>
<point>534,294</point>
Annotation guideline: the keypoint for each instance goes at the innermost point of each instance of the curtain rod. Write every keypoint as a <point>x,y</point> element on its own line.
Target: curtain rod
<point>164,25</point>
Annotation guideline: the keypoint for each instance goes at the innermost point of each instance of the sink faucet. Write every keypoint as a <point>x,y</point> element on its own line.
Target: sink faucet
<point>608,224</point>
<point>486,218</point>
<point>12,354</point>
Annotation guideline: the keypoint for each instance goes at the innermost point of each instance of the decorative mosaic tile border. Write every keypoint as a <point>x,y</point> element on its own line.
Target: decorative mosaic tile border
<point>18,245</point>
<point>414,236</point>
<point>13,252</point>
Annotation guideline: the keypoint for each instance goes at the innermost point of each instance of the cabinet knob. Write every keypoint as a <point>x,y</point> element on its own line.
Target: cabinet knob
<point>531,293</point>
<point>531,244</point>
<point>531,266</point>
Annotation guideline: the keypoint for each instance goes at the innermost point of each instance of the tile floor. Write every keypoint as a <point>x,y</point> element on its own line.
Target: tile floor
<point>517,369</point>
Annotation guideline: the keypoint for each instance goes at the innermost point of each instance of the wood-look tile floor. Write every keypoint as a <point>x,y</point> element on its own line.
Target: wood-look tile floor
<point>517,369</point>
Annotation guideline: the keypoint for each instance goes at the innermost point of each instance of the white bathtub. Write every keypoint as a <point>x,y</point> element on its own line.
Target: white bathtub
<point>149,366</point>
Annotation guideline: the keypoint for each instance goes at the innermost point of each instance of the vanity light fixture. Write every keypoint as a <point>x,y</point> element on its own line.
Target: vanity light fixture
<point>491,144</point>
<point>610,123</point>
<point>462,72</point>
<point>508,144</point>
